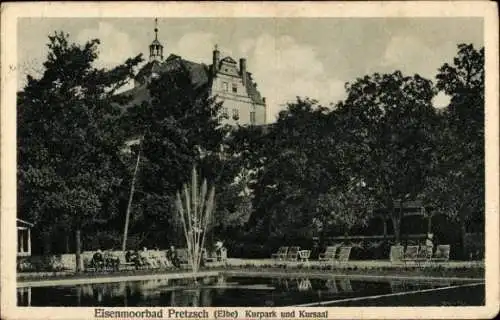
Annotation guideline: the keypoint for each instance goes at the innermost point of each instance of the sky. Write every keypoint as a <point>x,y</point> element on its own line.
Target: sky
<point>288,57</point>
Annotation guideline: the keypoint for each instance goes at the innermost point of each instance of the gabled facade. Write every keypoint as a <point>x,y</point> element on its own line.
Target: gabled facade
<point>225,78</point>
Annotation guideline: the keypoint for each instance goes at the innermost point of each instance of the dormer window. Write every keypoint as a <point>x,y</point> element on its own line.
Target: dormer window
<point>235,88</point>
<point>225,86</point>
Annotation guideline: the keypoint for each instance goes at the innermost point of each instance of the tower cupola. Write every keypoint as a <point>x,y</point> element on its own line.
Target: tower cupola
<point>156,48</point>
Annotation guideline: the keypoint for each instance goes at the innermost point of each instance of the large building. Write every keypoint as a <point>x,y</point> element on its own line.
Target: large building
<point>226,79</point>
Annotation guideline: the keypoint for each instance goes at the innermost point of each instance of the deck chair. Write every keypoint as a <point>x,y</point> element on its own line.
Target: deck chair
<point>411,254</point>
<point>343,255</point>
<point>293,254</point>
<point>396,254</point>
<point>442,253</point>
<point>329,254</point>
<point>281,254</point>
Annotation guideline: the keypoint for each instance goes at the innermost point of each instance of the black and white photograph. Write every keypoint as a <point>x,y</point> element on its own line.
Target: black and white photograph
<point>199,165</point>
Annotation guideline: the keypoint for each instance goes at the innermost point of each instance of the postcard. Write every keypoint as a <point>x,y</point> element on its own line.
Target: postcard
<point>249,160</point>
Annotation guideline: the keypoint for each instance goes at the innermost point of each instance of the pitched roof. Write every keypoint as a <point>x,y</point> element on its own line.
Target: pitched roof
<point>24,222</point>
<point>253,93</point>
<point>199,72</point>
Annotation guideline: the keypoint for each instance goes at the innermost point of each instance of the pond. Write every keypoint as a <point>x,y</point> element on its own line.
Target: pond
<point>258,291</point>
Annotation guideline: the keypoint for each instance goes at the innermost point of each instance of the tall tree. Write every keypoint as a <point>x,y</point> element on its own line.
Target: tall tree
<point>181,127</point>
<point>298,165</point>
<point>393,119</point>
<point>69,142</point>
<point>457,186</point>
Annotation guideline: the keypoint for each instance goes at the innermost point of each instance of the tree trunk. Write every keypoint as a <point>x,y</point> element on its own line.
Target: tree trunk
<point>463,235</point>
<point>396,220</point>
<point>47,243</point>
<point>129,205</point>
<point>66,241</point>
<point>78,256</point>
<point>396,224</point>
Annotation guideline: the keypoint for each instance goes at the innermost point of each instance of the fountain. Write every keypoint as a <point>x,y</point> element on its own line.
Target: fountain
<point>195,207</point>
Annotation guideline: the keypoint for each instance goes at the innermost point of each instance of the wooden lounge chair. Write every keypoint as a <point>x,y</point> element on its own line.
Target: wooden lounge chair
<point>281,254</point>
<point>293,254</point>
<point>343,255</point>
<point>329,254</point>
<point>411,254</point>
<point>442,253</point>
<point>396,254</point>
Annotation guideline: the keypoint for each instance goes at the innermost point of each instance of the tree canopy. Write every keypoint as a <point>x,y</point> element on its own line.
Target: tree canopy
<point>69,165</point>
<point>315,171</point>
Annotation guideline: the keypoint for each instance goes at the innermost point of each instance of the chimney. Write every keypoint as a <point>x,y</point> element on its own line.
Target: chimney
<point>243,70</point>
<point>215,60</point>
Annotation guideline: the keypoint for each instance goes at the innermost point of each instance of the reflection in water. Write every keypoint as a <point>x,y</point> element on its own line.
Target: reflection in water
<point>304,285</point>
<point>214,291</point>
<point>24,297</point>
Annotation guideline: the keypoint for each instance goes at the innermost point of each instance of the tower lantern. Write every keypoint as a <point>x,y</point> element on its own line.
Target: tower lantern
<point>156,48</point>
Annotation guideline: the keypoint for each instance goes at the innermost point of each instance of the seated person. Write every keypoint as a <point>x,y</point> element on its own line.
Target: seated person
<point>97,260</point>
<point>172,257</point>
<point>147,258</point>
<point>133,256</point>
<point>161,258</point>
<point>111,261</point>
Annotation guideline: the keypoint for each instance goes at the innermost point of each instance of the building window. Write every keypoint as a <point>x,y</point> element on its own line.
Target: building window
<point>236,114</point>
<point>252,117</point>
<point>225,113</point>
<point>235,88</point>
<point>225,86</point>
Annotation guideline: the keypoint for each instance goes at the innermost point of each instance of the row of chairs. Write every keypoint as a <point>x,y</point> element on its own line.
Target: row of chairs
<point>154,259</point>
<point>336,252</point>
<point>420,254</point>
<point>291,254</point>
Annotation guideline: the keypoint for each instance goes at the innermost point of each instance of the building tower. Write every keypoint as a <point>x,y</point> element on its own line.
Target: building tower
<point>156,48</point>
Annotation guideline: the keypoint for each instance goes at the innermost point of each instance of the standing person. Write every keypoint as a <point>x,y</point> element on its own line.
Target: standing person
<point>429,244</point>
<point>218,250</point>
